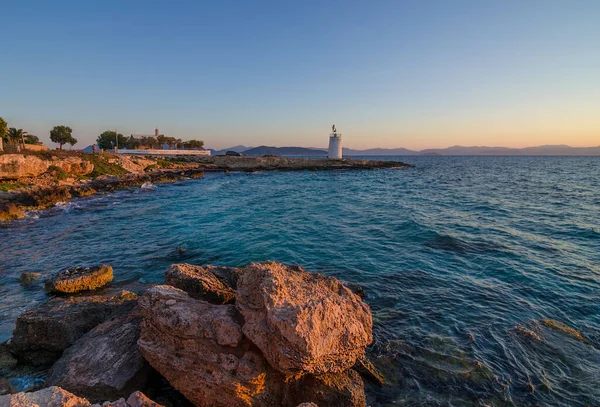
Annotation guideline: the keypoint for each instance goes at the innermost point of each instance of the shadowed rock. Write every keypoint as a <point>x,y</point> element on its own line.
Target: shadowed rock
<point>344,389</point>
<point>6,387</point>
<point>366,369</point>
<point>139,399</point>
<point>302,322</point>
<point>7,360</point>
<point>199,283</point>
<point>44,332</point>
<point>227,275</point>
<point>80,279</point>
<point>199,348</point>
<point>105,363</point>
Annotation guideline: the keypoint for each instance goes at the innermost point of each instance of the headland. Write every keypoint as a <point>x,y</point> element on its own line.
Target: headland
<point>40,179</point>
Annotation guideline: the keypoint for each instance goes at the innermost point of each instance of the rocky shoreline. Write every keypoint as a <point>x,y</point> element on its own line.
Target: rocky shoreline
<point>39,181</point>
<point>263,335</point>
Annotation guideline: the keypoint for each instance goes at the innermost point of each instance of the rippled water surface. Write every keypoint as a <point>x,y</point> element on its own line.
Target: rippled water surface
<point>461,257</point>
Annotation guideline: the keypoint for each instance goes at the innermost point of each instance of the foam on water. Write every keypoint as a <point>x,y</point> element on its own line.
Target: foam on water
<point>461,258</point>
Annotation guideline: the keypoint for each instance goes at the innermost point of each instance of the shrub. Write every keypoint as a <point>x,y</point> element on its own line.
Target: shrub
<point>103,167</point>
<point>58,172</point>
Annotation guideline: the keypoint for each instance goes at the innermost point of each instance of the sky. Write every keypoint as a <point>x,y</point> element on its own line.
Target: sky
<point>414,74</point>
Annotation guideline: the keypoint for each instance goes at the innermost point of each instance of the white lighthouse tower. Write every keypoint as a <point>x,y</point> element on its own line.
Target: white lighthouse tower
<point>335,144</point>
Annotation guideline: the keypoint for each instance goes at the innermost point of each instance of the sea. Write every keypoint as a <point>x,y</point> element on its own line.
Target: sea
<point>482,273</point>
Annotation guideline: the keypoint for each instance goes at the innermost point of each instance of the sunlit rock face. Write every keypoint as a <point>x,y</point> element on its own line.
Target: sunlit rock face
<point>302,322</point>
<point>200,349</point>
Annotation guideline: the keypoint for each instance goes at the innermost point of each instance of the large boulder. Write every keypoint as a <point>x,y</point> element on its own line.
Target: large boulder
<point>42,333</point>
<point>105,363</point>
<point>302,322</point>
<point>49,397</point>
<point>74,165</point>
<point>14,166</point>
<point>199,283</point>
<point>199,348</point>
<point>80,279</point>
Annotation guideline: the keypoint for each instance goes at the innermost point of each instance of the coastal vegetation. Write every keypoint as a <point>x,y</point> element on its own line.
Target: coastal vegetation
<point>62,135</point>
<point>108,139</point>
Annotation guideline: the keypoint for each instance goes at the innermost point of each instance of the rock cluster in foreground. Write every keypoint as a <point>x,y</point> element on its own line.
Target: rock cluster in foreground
<point>264,335</point>
<point>57,397</point>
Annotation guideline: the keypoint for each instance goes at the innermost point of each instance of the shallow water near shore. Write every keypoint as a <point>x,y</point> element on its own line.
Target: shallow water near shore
<point>461,258</point>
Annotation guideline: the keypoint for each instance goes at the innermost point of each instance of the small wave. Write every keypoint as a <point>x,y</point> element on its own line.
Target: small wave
<point>454,244</point>
<point>148,186</point>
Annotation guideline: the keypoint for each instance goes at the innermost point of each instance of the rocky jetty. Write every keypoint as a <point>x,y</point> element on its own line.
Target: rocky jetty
<point>264,335</point>
<point>274,163</point>
<point>80,279</point>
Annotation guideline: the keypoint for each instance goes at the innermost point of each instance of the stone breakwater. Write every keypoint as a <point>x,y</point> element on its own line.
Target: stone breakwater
<point>34,182</point>
<point>272,163</point>
<point>284,338</point>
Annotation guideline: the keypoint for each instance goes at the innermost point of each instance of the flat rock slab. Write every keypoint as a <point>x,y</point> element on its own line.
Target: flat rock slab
<point>80,279</point>
<point>42,333</point>
<point>105,363</point>
<point>57,397</point>
<point>302,322</point>
<point>199,283</point>
<point>49,397</point>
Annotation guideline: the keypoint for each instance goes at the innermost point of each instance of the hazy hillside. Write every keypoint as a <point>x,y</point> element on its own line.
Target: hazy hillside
<point>283,151</point>
<point>454,150</point>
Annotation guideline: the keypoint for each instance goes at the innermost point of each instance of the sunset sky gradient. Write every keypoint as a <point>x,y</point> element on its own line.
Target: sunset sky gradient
<point>414,74</point>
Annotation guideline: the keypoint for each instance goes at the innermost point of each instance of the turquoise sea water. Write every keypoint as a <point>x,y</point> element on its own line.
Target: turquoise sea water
<point>461,257</point>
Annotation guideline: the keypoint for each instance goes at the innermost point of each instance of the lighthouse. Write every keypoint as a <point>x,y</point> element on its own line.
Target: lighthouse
<point>335,144</point>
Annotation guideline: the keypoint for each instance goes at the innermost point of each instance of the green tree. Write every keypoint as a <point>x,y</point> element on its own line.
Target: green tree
<point>31,139</point>
<point>3,127</point>
<point>149,142</point>
<point>106,140</point>
<point>193,144</point>
<point>162,140</point>
<point>62,135</point>
<point>16,135</point>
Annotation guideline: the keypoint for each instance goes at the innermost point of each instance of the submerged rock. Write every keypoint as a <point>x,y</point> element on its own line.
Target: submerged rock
<point>367,370</point>
<point>344,389</point>
<point>302,322</point>
<point>199,348</point>
<point>29,278</point>
<point>49,397</point>
<point>6,387</point>
<point>80,279</point>
<point>199,283</point>
<point>42,333</point>
<point>105,363</point>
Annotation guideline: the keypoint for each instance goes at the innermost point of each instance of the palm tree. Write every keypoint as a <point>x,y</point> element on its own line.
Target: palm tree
<point>15,135</point>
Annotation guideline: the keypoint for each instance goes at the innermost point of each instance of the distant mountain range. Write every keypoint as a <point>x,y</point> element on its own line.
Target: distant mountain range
<point>454,150</point>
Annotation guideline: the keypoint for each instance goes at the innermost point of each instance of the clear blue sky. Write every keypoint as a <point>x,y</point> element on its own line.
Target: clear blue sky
<point>413,74</point>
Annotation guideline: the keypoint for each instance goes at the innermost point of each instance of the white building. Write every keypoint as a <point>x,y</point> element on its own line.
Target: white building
<point>335,144</point>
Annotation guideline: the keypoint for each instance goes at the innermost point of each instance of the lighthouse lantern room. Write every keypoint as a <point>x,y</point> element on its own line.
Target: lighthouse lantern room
<point>335,144</point>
